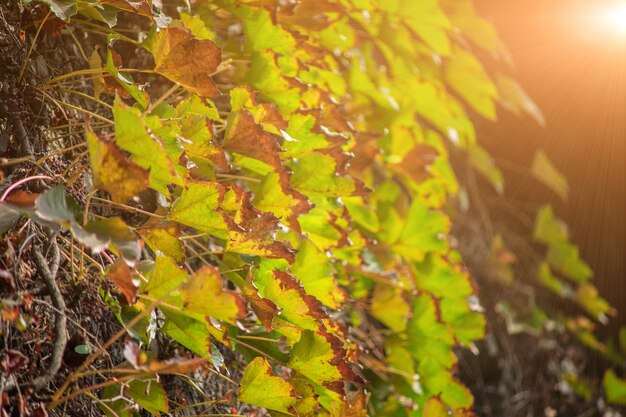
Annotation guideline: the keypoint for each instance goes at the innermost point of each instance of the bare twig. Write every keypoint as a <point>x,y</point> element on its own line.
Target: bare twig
<point>49,272</point>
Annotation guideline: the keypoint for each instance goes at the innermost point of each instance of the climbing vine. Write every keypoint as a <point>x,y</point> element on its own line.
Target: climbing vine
<point>273,178</point>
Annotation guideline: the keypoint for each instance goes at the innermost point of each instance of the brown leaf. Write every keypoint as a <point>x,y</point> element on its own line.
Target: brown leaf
<point>264,309</point>
<point>416,163</point>
<point>255,235</point>
<point>22,198</point>
<point>113,171</point>
<point>122,277</point>
<point>13,361</point>
<point>244,136</point>
<point>182,58</point>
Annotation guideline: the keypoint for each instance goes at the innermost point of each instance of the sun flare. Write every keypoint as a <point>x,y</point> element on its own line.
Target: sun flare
<point>617,17</point>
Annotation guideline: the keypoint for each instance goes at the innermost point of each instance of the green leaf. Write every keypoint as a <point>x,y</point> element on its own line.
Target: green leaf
<point>434,407</point>
<point>315,174</point>
<point>147,151</point>
<point>198,207</point>
<point>149,394</point>
<point>204,293</point>
<point>544,170</point>
<point>63,9</point>
<point>320,357</point>
<point>614,388</point>
<point>467,76</point>
<point>260,387</point>
<point>163,238</point>
<point>55,206</point>
<point>314,270</point>
<point>8,216</point>
<point>425,231</point>
<point>390,306</point>
<point>164,278</point>
<point>548,228</point>
<point>482,162</point>
<point>564,257</point>
<point>83,349</point>
<point>116,406</point>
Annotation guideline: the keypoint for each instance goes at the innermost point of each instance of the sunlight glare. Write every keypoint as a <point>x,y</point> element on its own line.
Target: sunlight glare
<point>617,17</point>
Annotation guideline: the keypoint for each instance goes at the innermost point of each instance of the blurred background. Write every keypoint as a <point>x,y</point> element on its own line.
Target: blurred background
<point>570,55</point>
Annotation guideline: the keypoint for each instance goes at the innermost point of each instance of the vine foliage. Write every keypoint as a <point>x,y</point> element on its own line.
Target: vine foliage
<point>296,155</point>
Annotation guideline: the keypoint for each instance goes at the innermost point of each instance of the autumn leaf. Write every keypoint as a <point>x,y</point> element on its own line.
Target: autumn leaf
<point>320,357</point>
<point>122,277</point>
<point>163,237</point>
<point>246,137</point>
<point>185,60</point>
<point>148,152</point>
<point>112,171</point>
<point>260,387</point>
<point>263,308</point>
<point>199,207</point>
<point>204,293</point>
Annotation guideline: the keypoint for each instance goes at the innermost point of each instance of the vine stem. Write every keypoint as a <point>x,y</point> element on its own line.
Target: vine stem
<point>20,182</point>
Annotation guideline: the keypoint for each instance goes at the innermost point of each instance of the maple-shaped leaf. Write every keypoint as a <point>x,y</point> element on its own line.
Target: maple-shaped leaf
<point>321,357</point>
<point>246,137</point>
<point>314,270</point>
<point>147,151</point>
<point>199,207</point>
<point>265,114</point>
<point>186,60</point>
<point>260,387</point>
<point>255,234</point>
<point>316,174</point>
<point>258,238</point>
<point>425,230</point>
<point>112,171</point>
<point>275,195</point>
<point>163,237</point>
<point>296,306</point>
<point>204,293</point>
<point>199,144</point>
<point>390,306</point>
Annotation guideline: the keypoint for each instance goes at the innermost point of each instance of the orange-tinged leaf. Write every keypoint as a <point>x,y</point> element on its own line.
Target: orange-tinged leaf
<point>112,170</point>
<point>188,61</point>
<point>321,357</point>
<point>148,151</point>
<point>204,293</point>
<point>260,387</point>
<point>264,309</point>
<point>416,163</point>
<point>256,230</point>
<point>246,137</point>
<point>275,195</point>
<point>258,239</point>
<point>163,237</point>
<point>21,198</point>
<point>122,277</point>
